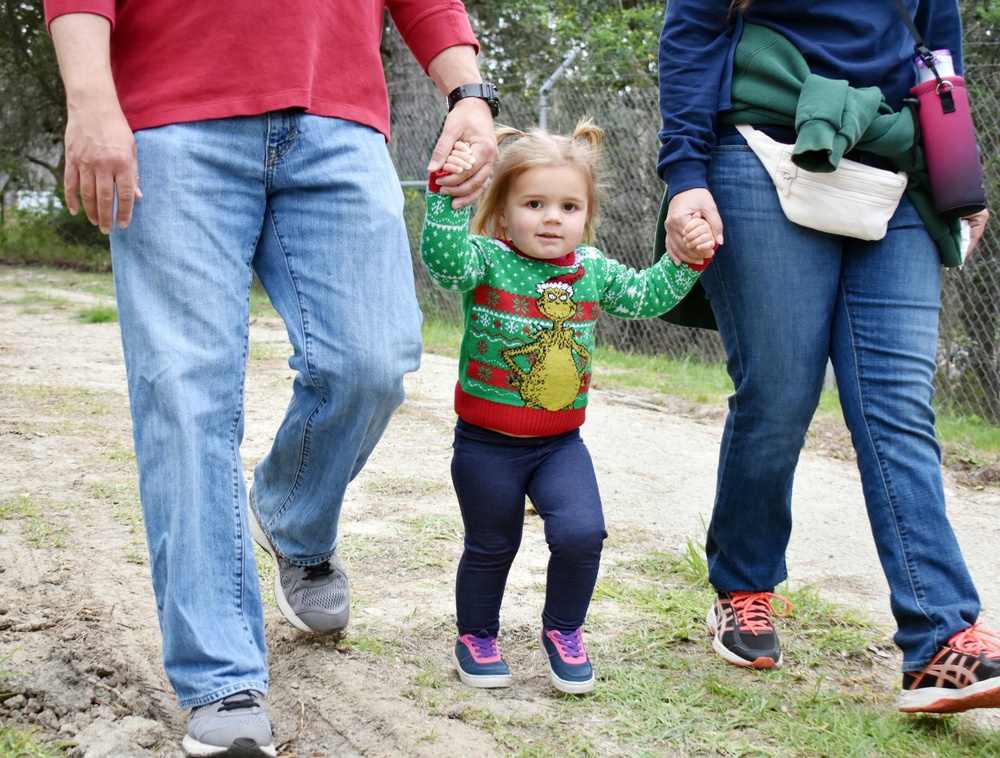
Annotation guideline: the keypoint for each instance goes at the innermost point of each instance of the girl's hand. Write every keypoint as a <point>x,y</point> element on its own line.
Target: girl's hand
<point>698,235</point>
<point>460,159</point>
<point>694,205</point>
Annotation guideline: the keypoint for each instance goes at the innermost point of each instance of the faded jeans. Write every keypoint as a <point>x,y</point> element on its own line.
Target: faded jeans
<point>313,205</point>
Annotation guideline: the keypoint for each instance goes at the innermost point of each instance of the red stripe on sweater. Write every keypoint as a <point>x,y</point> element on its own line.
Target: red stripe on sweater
<point>520,305</point>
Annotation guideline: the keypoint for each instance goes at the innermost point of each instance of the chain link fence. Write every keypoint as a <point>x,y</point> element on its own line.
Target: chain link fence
<point>968,379</point>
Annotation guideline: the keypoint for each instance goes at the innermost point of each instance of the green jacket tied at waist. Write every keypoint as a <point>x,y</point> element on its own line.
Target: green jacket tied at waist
<point>772,84</point>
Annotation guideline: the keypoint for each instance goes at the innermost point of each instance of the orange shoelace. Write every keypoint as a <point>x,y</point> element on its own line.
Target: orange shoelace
<point>976,640</point>
<point>753,609</point>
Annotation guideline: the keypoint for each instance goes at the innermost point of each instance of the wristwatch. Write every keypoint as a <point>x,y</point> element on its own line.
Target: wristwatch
<point>483,91</point>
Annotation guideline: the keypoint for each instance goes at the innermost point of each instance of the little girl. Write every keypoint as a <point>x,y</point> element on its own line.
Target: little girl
<point>532,290</point>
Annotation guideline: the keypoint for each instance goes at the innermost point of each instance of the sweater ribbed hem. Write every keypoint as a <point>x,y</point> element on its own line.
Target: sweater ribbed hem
<point>517,420</point>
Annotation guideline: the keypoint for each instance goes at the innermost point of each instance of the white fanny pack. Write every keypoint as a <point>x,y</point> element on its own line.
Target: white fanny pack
<point>856,200</point>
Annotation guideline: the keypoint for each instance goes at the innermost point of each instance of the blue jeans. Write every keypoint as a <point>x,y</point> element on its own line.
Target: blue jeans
<point>786,298</point>
<point>313,205</point>
<point>493,473</point>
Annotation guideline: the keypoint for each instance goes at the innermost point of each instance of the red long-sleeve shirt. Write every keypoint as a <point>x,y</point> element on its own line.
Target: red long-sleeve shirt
<point>220,58</point>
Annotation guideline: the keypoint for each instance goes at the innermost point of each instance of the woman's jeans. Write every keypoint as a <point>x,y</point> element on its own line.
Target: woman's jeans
<point>313,205</point>
<point>492,474</point>
<point>786,299</point>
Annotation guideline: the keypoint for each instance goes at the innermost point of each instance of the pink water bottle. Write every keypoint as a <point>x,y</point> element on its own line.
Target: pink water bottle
<point>949,138</point>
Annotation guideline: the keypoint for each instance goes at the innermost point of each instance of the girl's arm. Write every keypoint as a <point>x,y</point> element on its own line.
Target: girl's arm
<point>648,293</point>
<point>454,260</point>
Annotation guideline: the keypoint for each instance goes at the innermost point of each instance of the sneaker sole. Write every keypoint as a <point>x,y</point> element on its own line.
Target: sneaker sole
<point>490,681</point>
<point>260,537</point>
<point>195,749</point>
<point>571,688</point>
<point>985,694</point>
<point>764,662</point>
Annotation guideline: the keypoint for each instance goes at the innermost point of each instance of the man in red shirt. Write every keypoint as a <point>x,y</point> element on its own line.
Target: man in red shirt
<point>257,134</point>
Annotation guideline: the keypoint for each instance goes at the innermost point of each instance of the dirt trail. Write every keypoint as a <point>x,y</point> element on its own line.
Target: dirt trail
<point>77,616</point>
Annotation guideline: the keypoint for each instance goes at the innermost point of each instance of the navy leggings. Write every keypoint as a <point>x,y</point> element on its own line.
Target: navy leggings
<point>492,474</point>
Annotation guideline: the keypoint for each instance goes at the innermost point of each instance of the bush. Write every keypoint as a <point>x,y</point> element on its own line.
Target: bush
<point>58,239</point>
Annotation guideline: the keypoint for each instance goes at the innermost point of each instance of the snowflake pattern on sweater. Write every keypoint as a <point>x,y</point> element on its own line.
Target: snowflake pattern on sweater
<point>525,360</point>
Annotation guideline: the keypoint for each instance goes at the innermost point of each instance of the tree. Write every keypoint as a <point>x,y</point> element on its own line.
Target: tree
<point>32,99</point>
<point>523,41</point>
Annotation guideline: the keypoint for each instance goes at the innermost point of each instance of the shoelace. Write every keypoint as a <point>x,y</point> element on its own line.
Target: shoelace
<point>484,647</point>
<point>239,701</point>
<point>975,641</point>
<point>753,609</point>
<point>319,571</point>
<point>570,645</point>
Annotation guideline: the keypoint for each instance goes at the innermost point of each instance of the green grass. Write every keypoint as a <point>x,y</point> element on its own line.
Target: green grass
<point>99,314</point>
<point>659,693</point>
<point>37,530</point>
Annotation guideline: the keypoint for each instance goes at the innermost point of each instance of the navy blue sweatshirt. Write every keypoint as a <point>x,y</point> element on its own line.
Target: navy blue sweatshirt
<point>864,42</point>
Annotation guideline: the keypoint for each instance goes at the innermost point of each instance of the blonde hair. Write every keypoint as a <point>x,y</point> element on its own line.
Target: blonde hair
<point>536,149</point>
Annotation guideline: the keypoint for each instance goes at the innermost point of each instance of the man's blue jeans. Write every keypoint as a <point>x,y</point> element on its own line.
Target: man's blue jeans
<point>786,298</point>
<point>313,205</point>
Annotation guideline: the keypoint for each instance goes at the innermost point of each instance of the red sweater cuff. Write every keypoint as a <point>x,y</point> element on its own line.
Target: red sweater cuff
<point>432,184</point>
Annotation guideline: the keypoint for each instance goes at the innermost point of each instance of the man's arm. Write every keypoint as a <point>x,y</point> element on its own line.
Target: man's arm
<point>100,149</point>
<point>470,121</point>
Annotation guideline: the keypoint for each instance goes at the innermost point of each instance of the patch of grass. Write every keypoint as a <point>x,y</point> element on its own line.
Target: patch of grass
<point>18,742</point>
<point>260,303</point>
<point>359,640</point>
<point>266,571</point>
<point>99,314</point>
<point>421,546</point>
<point>33,297</point>
<point>693,380</point>
<point>440,336</point>
<point>268,351</point>
<point>37,530</point>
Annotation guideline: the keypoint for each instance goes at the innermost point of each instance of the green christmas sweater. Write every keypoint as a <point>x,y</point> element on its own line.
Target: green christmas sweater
<point>525,360</point>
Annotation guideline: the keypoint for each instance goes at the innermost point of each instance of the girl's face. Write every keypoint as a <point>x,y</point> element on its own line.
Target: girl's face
<point>546,211</point>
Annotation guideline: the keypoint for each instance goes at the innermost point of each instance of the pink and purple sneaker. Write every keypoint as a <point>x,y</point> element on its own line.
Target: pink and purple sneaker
<point>569,665</point>
<point>478,661</point>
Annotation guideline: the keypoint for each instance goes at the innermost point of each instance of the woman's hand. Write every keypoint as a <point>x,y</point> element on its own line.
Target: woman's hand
<point>685,206</point>
<point>977,225</point>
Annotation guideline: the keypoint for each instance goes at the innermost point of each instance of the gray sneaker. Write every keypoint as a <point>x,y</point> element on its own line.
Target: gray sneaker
<point>233,727</point>
<point>313,598</point>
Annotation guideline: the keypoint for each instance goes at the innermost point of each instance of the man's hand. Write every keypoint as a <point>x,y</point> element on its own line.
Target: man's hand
<point>469,122</point>
<point>101,163</point>
<point>685,206</point>
<point>100,148</point>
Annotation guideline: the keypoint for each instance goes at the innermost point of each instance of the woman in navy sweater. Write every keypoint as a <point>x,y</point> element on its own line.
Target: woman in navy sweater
<point>786,299</point>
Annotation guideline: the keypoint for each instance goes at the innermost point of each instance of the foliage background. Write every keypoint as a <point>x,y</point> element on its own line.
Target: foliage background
<point>611,77</point>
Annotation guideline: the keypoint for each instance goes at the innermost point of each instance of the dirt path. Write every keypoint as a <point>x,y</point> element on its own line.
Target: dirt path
<point>76,611</point>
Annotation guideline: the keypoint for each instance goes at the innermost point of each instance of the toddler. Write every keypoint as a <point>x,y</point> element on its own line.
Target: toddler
<point>532,287</point>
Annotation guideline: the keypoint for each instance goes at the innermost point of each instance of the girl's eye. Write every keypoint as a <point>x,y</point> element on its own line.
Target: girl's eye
<point>569,207</point>
<point>534,204</point>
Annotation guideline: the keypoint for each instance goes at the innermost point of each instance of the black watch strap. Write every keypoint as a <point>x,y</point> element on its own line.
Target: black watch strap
<point>482,90</point>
